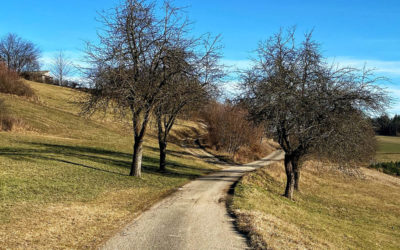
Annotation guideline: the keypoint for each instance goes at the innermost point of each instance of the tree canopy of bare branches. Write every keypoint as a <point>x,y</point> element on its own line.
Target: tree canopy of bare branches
<point>19,54</point>
<point>61,67</point>
<point>186,94</point>
<point>309,106</point>
<point>140,53</point>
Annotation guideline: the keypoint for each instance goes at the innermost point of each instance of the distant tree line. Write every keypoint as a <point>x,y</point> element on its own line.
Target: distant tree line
<point>384,125</point>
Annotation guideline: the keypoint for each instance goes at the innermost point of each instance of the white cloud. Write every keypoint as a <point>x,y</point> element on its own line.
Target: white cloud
<point>237,64</point>
<point>48,57</point>
<point>380,66</point>
<point>230,89</point>
<point>391,68</point>
<point>75,57</point>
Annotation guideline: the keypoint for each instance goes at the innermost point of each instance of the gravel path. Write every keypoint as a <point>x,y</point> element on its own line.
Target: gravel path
<point>195,217</point>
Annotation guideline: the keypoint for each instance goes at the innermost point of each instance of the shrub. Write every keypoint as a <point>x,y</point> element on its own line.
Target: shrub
<point>7,122</point>
<point>228,128</point>
<point>10,83</point>
<point>392,168</point>
<point>230,131</point>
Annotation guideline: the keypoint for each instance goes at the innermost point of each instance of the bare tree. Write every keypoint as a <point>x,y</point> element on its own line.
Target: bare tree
<point>188,90</point>
<point>61,67</point>
<point>140,50</point>
<point>184,95</point>
<point>18,54</point>
<point>310,107</point>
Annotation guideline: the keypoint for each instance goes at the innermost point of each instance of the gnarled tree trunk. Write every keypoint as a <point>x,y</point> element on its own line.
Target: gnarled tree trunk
<point>139,130</point>
<point>296,171</point>
<point>136,167</point>
<point>296,178</point>
<point>163,154</point>
<point>289,177</point>
<point>164,125</point>
<point>162,141</point>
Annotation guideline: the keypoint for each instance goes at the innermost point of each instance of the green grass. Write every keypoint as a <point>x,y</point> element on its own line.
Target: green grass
<point>331,211</point>
<point>388,149</point>
<point>387,155</point>
<point>64,178</point>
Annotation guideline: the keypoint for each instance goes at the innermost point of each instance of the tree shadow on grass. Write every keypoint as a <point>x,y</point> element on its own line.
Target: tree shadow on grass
<point>170,151</point>
<point>108,161</point>
<point>211,159</point>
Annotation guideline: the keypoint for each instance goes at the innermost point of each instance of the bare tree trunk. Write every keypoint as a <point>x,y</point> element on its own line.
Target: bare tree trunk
<point>163,154</point>
<point>296,171</point>
<point>136,167</point>
<point>289,177</point>
<point>139,130</point>
<point>296,177</point>
<point>162,142</point>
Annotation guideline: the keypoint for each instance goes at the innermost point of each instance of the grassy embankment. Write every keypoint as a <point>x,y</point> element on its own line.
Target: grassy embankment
<point>332,210</point>
<point>64,179</point>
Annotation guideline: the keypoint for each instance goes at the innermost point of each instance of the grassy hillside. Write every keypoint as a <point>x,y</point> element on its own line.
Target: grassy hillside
<point>332,210</point>
<point>64,179</point>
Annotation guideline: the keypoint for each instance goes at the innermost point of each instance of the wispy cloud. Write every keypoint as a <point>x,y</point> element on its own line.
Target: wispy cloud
<point>391,68</point>
<point>237,64</point>
<point>47,58</point>
<point>47,61</point>
<point>380,66</point>
<point>230,87</point>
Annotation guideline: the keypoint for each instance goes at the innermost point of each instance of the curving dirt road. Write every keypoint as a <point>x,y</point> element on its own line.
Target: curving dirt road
<point>195,217</point>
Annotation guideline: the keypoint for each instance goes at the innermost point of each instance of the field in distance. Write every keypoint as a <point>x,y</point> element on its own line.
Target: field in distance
<point>388,148</point>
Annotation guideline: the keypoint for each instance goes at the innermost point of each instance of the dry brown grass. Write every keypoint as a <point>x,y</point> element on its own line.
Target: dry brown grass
<point>7,121</point>
<point>68,225</point>
<point>10,83</point>
<point>65,184</point>
<point>333,210</point>
<point>65,216</point>
<point>254,152</point>
<point>245,154</point>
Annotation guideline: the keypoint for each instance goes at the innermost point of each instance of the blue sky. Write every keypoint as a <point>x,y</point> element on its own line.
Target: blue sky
<point>351,32</point>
